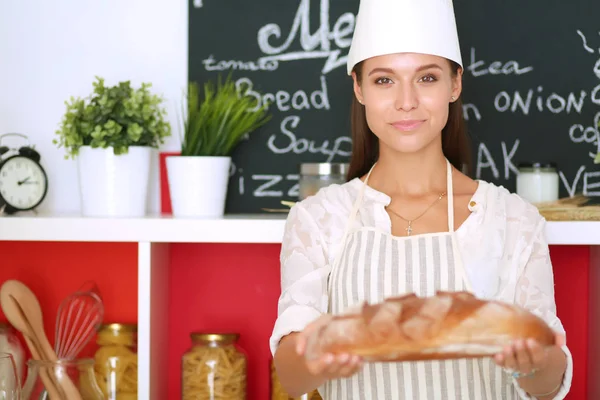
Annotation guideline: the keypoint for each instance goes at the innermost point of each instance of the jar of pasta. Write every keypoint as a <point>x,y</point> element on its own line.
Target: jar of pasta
<point>279,393</point>
<point>214,368</point>
<point>116,361</point>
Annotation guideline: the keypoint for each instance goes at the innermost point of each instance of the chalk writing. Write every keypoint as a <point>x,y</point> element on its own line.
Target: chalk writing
<point>314,45</point>
<point>210,64</point>
<point>590,187</point>
<point>271,180</point>
<point>584,39</point>
<point>496,67</point>
<point>590,134</point>
<point>591,183</point>
<point>285,101</point>
<point>293,144</point>
<point>485,160</point>
<point>468,107</point>
<point>554,103</point>
<point>507,157</point>
<point>271,185</point>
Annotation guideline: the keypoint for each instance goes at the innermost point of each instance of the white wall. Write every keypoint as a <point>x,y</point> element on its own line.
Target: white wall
<point>51,50</point>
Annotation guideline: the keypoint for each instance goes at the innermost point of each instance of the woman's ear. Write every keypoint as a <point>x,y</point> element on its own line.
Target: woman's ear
<point>357,88</point>
<point>457,84</point>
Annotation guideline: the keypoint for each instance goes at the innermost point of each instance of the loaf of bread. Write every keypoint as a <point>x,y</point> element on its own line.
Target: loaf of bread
<point>448,325</point>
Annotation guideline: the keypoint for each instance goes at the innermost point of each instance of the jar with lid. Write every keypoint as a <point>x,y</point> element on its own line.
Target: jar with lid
<point>214,368</point>
<point>538,182</point>
<point>116,361</point>
<point>9,343</point>
<point>314,176</point>
<point>279,393</point>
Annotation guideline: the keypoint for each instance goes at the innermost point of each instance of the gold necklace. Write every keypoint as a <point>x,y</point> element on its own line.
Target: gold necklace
<point>410,221</point>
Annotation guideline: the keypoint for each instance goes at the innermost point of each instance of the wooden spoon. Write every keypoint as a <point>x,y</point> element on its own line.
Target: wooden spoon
<point>47,380</point>
<point>22,309</point>
<point>18,321</point>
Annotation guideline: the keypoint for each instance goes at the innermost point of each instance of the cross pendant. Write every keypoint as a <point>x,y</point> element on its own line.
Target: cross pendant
<point>409,228</point>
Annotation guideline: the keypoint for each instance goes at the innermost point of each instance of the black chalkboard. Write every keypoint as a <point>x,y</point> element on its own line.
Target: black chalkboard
<point>531,86</point>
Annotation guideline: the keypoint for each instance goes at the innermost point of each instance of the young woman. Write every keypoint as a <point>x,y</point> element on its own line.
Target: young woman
<point>408,220</point>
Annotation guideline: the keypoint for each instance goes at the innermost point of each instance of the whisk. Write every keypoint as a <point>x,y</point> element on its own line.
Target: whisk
<point>79,317</point>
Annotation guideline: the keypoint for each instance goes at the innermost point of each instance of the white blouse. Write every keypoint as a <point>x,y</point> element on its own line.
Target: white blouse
<point>502,245</point>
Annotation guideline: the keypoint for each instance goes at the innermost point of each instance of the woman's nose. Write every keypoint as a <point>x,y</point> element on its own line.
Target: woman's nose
<point>406,98</point>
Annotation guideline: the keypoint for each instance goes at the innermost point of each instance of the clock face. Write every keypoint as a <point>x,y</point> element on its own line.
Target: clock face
<point>23,182</point>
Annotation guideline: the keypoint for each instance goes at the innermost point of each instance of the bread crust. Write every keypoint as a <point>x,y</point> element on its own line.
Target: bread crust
<point>448,325</point>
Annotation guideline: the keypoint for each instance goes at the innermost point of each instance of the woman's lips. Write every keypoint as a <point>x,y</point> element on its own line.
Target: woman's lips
<point>407,125</point>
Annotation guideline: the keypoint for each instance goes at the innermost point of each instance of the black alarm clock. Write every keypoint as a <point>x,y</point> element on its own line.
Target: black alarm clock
<point>23,180</point>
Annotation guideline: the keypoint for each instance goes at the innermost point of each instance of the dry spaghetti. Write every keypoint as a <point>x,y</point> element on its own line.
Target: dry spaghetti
<point>214,369</point>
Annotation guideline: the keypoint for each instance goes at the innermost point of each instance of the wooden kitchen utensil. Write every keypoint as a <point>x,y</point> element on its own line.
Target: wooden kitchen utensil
<point>15,316</point>
<point>22,308</point>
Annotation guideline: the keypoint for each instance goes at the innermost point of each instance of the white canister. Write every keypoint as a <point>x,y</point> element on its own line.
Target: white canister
<point>315,176</point>
<point>538,182</point>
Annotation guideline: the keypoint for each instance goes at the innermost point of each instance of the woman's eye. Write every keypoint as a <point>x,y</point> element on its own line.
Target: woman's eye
<point>429,78</point>
<point>383,80</point>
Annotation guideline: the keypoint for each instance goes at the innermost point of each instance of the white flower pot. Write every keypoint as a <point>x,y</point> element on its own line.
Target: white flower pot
<point>198,185</point>
<point>114,185</point>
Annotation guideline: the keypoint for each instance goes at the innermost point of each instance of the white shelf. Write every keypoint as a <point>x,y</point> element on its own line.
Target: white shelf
<point>260,228</point>
<point>573,232</point>
<point>263,228</point>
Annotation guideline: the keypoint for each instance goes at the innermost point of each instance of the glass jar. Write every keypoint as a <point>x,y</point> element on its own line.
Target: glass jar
<point>538,182</point>
<point>78,373</point>
<point>117,362</point>
<point>10,387</point>
<point>313,177</point>
<point>9,343</point>
<point>214,368</point>
<point>278,393</point>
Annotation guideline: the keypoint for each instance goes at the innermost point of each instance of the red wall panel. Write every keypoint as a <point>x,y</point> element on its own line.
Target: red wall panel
<point>224,287</point>
<point>53,270</point>
<point>571,279</point>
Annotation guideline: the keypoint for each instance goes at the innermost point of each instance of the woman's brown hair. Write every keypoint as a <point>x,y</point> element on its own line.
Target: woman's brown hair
<point>365,145</point>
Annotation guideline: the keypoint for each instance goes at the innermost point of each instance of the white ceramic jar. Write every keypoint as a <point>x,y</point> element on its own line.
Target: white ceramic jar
<point>538,182</point>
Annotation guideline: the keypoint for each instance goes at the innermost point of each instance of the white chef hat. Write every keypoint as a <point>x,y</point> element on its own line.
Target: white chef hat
<point>404,26</point>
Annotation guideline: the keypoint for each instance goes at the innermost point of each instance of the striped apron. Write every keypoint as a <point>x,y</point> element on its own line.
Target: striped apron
<point>373,265</point>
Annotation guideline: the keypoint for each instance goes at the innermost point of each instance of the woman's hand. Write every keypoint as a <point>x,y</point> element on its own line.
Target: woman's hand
<point>328,366</point>
<point>525,357</point>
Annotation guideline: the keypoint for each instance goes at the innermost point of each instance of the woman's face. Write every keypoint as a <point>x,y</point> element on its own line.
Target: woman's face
<point>406,98</point>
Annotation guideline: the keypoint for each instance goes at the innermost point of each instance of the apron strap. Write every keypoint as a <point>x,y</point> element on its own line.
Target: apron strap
<point>357,204</point>
<point>358,201</point>
<point>352,216</point>
<point>450,194</point>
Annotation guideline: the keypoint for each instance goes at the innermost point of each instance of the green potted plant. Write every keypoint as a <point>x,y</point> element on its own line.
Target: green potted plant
<point>113,134</point>
<point>213,125</point>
